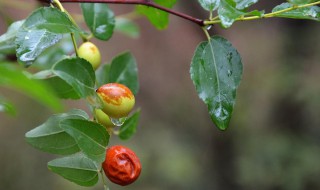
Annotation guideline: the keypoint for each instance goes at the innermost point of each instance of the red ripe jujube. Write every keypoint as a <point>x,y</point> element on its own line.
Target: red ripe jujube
<point>121,166</point>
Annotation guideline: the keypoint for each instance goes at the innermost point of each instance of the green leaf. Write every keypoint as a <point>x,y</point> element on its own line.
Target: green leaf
<point>158,18</point>
<point>216,72</point>
<point>13,77</point>
<point>7,107</point>
<point>42,29</point>
<point>92,138</point>
<point>129,127</point>
<point>301,2</point>
<point>51,19</point>
<point>54,54</point>
<point>62,88</point>
<point>127,27</point>
<point>311,13</point>
<point>123,69</point>
<point>7,45</point>
<point>209,5</point>
<point>76,168</point>
<point>78,73</point>
<point>228,13</point>
<point>31,44</point>
<point>49,137</point>
<point>242,4</point>
<point>102,74</point>
<point>99,18</point>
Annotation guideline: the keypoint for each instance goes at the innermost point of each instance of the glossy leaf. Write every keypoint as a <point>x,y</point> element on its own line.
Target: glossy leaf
<point>78,73</point>
<point>311,13</point>
<point>209,5</point>
<point>7,45</point>
<point>13,77</point>
<point>92,138</point>
<point>102,74</point>
<point>51,19</point>
<point>62,88</point>
<point>129,127</point>
<point>127,27</point>
<point>31,44</point>
<point>158,18</point>
<point>54,54</point>
<point>42,29</point>
<point>301,2</point>
<point>7,107</point>
<point>242,4</point>
<point>76,168</point>
<point>49,137</point>
<point>99,18</point>
<point>216,71</point>
<point>228,13</point>
<point>123,70</point>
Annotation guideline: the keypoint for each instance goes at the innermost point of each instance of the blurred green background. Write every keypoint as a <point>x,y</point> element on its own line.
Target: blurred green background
<point>273,141</point>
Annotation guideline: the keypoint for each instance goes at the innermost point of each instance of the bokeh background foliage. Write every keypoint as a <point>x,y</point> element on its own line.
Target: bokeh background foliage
<point>273,138</point>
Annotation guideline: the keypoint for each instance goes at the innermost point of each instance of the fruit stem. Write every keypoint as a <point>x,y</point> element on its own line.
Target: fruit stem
<point>74,44</point>
<point>105,187</point>
<point>59,5</point>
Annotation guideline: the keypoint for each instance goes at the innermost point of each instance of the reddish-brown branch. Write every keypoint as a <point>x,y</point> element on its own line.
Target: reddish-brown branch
<point>141,2</point>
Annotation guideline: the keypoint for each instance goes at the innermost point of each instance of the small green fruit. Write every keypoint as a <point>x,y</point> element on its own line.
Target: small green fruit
<point>91,53</point>
<point>118,100</point>
<point>103,119</point>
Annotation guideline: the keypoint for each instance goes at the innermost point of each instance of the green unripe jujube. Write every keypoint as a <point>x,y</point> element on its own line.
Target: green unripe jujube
<point>103,119</point>
<point>91,53</point>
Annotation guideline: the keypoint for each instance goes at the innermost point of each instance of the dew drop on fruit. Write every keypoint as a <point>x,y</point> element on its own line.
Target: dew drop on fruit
<point>118,121</point>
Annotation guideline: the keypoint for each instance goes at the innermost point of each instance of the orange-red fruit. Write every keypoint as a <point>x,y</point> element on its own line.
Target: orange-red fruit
<point>121,166</point>
<point>118,100</point>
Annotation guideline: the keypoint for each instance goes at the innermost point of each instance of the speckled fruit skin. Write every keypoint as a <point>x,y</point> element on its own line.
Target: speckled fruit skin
<point>103,119</point>
<point>121,166</point>
<point>118,100</point>
<point>91,53</point>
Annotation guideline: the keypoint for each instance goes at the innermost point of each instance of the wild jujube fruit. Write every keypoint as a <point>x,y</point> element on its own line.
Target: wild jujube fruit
<point>118,100</point>
<point>91,53</point>
<point>103,119</point>
<point>121,166</point>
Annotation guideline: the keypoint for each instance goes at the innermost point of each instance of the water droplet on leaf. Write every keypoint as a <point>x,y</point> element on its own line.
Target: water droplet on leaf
<point>221,113</point>
<point>229,56</point>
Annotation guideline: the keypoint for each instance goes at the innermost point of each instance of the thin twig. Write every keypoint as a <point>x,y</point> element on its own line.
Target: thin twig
<point>197,21</point>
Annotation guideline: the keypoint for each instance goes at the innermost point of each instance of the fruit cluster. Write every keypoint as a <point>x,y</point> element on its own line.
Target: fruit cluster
<point>121,164</point>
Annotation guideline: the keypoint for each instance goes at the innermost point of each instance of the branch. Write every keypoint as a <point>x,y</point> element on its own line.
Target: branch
<point>268,15</point>
<point>148,3</point>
